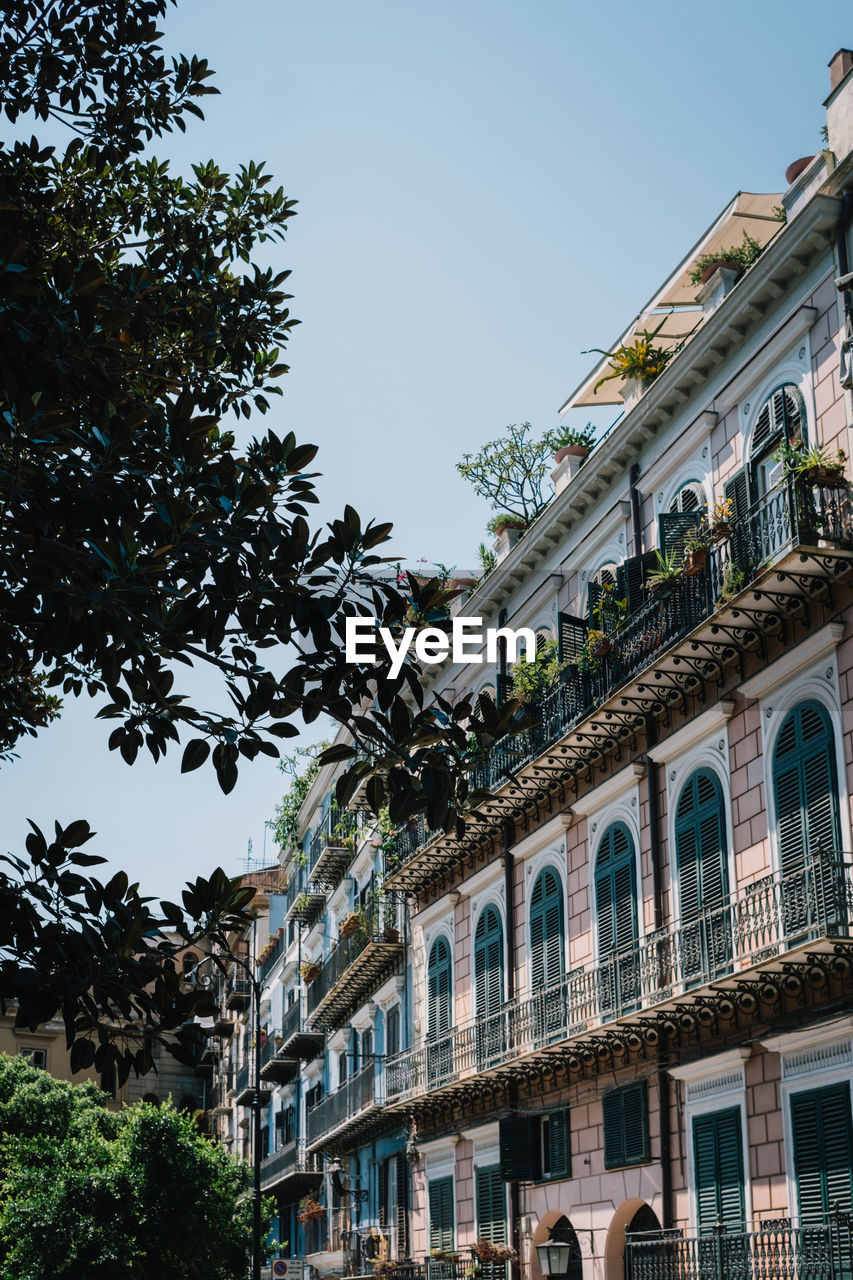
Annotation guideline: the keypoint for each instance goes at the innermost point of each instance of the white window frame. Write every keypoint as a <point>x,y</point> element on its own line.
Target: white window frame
<point>729,1070</point>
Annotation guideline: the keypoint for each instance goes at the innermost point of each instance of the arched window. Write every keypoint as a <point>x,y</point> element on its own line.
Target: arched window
<point>488,963</point>
<point>702,869</point>
<point>547,930</point>
<point>439,981</point>
<point>616,916</point>
<point>782,420</point>
<point>805,786</point>
<point>366,1047</point>
<point>689,498</point>
<point>563,1231</point>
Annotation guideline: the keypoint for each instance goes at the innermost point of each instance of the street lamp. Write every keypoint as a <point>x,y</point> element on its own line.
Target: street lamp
<point>555,1254</point>
<point>255,987</point>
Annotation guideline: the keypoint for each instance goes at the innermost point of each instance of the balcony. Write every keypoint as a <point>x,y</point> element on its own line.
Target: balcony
<point>276,1064</point>
<point>656,989</point>
<point>271,955</point>
<point>777,563</point>
<point>819,1251</point>
<point>298,1039</point>
<point>355,966</point>
<point>238,995</point>
<point>332,848</point>
<point>304,901</point>
<point>351,1109</point>
<point>290,1172</point>
<point>219,1092</point>
<point>244,1090</point>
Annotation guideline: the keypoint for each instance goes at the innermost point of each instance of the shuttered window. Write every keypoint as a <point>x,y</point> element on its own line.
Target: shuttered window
<point>571,634</point>
<point>547,930</point>
<point>781,418</point>
<point>520,1148</point>
<point>674,529</point>
<point>700,845</point>
<point>441,1213</point>
<point>626,1125</point>
<point>491,1205</point>
<point>738,492</point>
<point>718,1169</point>
<point>488,963</point>
<point>823,1151</point>
<point>439,988</point>
<point>805,786</point>
<point>632,576</point>
<point>690,498</point>
<point>615,890</point>
<point>556,1145</point>
<point>392,1031</point>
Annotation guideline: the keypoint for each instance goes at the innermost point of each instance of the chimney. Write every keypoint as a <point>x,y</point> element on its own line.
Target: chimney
<point>839,65</point>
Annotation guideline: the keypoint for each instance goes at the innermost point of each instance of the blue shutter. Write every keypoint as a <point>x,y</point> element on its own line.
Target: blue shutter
<point>439,989</point>
<point>547,930</point>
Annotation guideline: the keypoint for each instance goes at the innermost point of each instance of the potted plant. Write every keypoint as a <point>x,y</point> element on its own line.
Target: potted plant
<point>598,643</point>
<point>639,361</point>
<point>721,515</point>
<point>567,442</point>
<point>734,580</point>
<point>505,520</point>
<point>308,971</point>
<point>696,549</point>
<point>823,468</point>
<point>391,933</point>
<point>737,258</point>
<point>663,580</point>
<point>350,924</point>
<point>309,1209</point>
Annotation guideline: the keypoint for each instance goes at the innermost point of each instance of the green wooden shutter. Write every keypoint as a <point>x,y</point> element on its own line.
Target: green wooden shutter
<point>718,1169</point>
<point>439,988</point>
<point>491,1205</point>
<point>392,1032</point>
<point>700,845</point>
<point>520,1151</point>
<point>738,489</point>
<point>488,963</point>
<point>559,1145</point>
<point>625,1114</point>
<point>547,933</point>
<point>674,529</point>
<point>571,634</point>
<point>441,1213</point>
<point>594,592</point>
<point>805,786</point>
<point>631,577</point>
<point>503,685</point>
<point>615,890</point>
<point>823,1151</point>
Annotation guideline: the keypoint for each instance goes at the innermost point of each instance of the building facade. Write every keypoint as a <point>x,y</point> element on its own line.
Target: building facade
<point>619,1009</point>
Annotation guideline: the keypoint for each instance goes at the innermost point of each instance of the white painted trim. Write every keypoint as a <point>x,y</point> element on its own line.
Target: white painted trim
<point>721,1064</point>
<point>606,792</point>
<point>767,362</point>
<point>704,1068</point>
<point>555,858</point>
<point>365,1017</point>
<point>791,663</point>
<point>483,1134</point>
<point>390,992</point>
<point>549,833</point>
<point>712,755</point>
<point>708,722</point>
<point>689,451</point>
<point>484,878</point>
<point>810,1037</point>
<point>626,809</point>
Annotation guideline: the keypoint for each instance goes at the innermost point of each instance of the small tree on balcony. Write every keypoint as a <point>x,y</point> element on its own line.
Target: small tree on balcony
<point>510,472</point>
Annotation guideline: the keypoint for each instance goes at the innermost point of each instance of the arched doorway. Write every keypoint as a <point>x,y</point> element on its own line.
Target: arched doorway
<point>558,1225</point>
<point>631,1216</point>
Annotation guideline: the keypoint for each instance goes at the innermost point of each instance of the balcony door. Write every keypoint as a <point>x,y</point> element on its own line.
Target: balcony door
<point>703,879</point>
<point>808,821</point>
<point>547,955</point>
<point>489,986</point>
<point>439,1012</point>
<point>616,915</point>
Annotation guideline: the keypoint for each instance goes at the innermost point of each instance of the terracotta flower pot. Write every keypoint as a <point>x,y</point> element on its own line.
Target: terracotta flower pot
<point>601,648</point>
<point>722,529</point>
<point>829,477</point>
<point>571,451</point>
<point>349,926</point>
<point>508,524</point>
<point>695,561</point>
<point>730,263</point>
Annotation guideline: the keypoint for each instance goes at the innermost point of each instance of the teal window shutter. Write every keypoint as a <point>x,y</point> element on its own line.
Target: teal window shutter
<point>392,1031</point>
<point>571,634</point>
<point>491,1205</point>
<point>823,1151</point>
<point>625,1115</point>
<point>615,890</point>
<point>439,984</point>
<point>718,1169</point>
<point>674,529</point>
<point>488,963</point>
<point>559,1145</point>
<point>520,1148</point>
<point>441,1213</point>
<point>547,930</point>
<point>805,786</point>
<point>700,845</point>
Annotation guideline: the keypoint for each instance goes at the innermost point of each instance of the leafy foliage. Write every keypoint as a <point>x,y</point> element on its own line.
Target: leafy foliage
<point>285,824</point>
<point>89,1194</point>
<point>741,256</point>
<point>638,359</point>
<point>510,472</point>
<point>533,680</point>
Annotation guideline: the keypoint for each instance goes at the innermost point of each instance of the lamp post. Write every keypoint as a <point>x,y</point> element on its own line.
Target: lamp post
<point>255,988</point>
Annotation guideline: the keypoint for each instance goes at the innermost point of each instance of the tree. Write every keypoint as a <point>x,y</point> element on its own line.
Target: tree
<point>136,538</point>
<point>510,472</point>
<point>91,1194</point>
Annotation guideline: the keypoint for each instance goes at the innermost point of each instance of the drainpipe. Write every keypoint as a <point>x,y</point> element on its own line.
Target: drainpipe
<point>654,826</point>
<point>509,881</point>
<point>665,1122</point>
<point>841,228</point>
<point>636,518</point>
<point>664,1084</point>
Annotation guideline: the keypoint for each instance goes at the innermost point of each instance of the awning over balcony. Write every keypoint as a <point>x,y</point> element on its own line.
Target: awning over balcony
<point>675,303</point>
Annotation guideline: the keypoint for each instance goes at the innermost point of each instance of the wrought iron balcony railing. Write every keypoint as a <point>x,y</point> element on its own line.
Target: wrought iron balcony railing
<point>299,1040</point>
<point>271,954</point>
<point>764,920</point>
<point>752,582</point>
<point>770,1251</point>
<point>356,964</point>
<point>348,1108</point>
<point>332,847</point>
<point>276,1063</point>
<point>304,901</point>
<point>238,995</point>
<point>290,1164</point>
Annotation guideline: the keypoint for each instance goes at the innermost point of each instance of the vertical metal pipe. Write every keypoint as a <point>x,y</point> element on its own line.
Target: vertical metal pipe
<point>665,1125</point>
<point>636,518</point>
<point>256,1154</point>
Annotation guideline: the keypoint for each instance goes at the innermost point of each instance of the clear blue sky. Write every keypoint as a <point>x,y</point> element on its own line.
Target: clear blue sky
<point>485,189</point>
